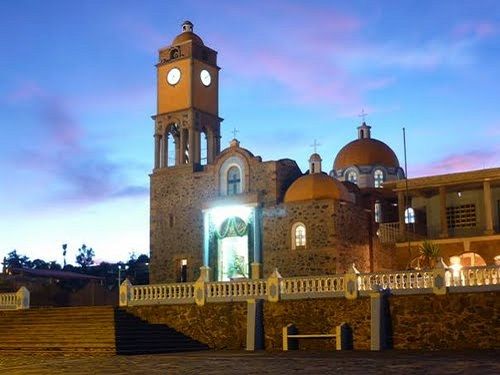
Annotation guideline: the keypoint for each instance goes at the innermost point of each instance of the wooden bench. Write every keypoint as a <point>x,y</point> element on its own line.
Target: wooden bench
<point>342,336</point>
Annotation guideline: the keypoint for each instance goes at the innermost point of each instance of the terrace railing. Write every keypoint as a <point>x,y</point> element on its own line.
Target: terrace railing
<point>19,300</point>
<point>440,280</point>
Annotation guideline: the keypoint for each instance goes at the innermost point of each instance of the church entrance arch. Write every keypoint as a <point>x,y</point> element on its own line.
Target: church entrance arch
<point>232,249</point>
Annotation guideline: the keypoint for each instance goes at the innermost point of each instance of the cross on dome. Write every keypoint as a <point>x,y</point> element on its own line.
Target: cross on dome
<point>234,132</point>
<point>315,146</point>
<point>363,115</point>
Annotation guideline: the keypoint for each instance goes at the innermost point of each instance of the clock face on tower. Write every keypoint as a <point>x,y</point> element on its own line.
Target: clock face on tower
<point>205,77</point>
<point>173,76</point>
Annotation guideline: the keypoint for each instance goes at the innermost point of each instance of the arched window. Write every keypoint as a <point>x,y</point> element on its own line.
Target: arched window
<point>378,177</point>
<point>352,177</point>
<point>409,216</point>
<point>298,236</point>
<point>233,180</point>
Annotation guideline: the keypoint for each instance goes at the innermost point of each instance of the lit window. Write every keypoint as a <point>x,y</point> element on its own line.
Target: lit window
<point>409,216</point>
<point>378,212</point>
<point>233,181</point>
<point>378,176</point>
<point>298,236</point>
<point>352,177</point>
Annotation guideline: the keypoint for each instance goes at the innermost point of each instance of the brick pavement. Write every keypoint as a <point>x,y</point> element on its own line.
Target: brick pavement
<point>225,362</point>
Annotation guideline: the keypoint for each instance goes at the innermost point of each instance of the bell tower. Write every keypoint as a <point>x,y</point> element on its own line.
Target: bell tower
<point>187,118</point>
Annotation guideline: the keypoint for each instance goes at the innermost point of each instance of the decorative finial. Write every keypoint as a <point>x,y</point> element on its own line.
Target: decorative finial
<point>315,146</point>
<point>363,115</point>
<point>187,26</point>
<point>234,132</point>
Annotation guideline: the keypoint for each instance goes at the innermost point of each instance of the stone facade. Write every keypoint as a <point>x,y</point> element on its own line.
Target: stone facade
<point>337,236</point>
<point>219,325</point>
<point>453,321</point>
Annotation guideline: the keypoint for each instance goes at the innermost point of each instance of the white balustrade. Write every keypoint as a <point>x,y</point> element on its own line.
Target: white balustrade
<point>312,286</point>
<point>161,293</point>
<point>19,300</point>
<point>473,276</point>
<point>399,282</point>
<point>8,301</point>
<point>239,290</point>
<point>396,280</point>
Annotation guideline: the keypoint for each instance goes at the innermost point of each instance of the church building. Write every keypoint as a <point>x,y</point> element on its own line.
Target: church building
<point>232,215</point>
<point>229,214</point>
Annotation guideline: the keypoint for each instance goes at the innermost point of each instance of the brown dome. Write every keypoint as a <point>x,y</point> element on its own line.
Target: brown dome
<point>365,151</point>
<point>186,36</point>
<point>316,186</point>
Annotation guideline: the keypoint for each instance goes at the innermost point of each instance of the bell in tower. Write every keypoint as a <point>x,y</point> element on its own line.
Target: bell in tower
<point>187,122</point>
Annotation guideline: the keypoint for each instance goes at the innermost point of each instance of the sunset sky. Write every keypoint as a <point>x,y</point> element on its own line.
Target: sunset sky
<point>77,89</point>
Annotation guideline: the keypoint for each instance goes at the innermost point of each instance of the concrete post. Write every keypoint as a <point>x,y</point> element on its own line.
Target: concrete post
<point>439,278</point>
<point>273,286</point>
<point>442,212</point>
<point>255,325</point>
<point>199,286</point>
<point>351,283</point>
<point>343,337</point>
<point>290,343</point>
<point>125,290</point>
<point>22,299</point>
<point>380,323</point>
<point>488,212</point>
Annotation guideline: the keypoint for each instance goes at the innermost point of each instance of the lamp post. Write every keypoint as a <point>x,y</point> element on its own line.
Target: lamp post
<point>125,267</point>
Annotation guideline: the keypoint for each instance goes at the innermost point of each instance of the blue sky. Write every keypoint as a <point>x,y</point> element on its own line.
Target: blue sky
<point>77,89</point>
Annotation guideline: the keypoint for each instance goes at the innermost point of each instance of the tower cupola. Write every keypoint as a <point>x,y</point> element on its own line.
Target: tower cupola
<point>364,131</point>
<point>187,26</point>
<point>315,163</point>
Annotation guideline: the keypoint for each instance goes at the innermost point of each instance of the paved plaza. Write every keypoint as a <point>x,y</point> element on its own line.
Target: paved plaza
<point>226,362</point>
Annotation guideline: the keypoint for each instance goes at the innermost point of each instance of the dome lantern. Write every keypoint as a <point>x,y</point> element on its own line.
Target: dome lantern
<point>315,163</point>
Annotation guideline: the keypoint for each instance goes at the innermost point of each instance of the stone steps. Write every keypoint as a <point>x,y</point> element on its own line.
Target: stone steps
<point>87,331</point>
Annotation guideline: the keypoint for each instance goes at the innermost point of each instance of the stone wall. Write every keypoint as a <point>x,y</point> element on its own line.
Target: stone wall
<point>418,322</point>
<point>336,236</point>
<point>317,316</point>
<point>452,321</point>
<point>219,325</point>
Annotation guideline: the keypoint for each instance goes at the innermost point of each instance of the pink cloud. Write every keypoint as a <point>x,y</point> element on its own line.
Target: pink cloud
<point>471,160</point>
<point>479,29</point>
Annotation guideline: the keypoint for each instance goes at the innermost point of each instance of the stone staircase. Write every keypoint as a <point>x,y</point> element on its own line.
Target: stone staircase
<point>100,330</point>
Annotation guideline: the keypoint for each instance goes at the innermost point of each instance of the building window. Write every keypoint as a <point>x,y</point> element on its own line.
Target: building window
<point>378,212</point>
<point>352,177</point>
<point>378,177</point>
<point>298,236</point>
<point>233,181</point>
<point>463,216</point>
<point>409,216</point>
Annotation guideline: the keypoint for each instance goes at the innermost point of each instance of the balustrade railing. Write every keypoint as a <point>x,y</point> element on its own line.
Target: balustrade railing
<point>235,290</point>
<point>161,294</point>
<point>312,286</point>
<point>397,280</point>
<point>473,276</point>
<point>274,288</point>
<point>19,300</point>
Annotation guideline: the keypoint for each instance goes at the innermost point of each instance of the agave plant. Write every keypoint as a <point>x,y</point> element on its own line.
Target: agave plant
<point>429,254</point>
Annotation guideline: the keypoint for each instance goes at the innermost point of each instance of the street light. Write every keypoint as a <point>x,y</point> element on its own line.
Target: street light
<point>125,267</point>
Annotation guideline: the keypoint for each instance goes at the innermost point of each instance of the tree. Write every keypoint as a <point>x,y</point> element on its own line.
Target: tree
<point>64,247</point>
<point>15,260</point>
<point>85,256</point>
<point>429,254</point>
